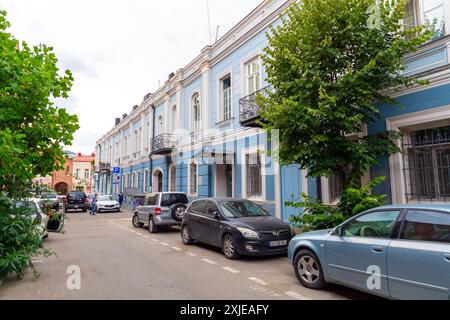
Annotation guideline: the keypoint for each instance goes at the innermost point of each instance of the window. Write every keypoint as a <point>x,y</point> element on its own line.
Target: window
<point>145,180</point>
<point>173,178</point>
<point>171,199</point>
<point>151,200</point>
<point>254,175</point>
<point>372,225</point>
<point>252,76</point>
<point>335,186</point>
<point>125,148</point>
<point>427,164</point>
<point>198,206</point>
<point>77,174</point>
<point>67,170</point>
<point>238,209</point>
<point>133,180</point>
<point>86,173</point>
<point>193,178</point>
<point>427,12</point>
<point>196,115</point>
<point>226,98</point>
<point>426,226</point>
<point>433,16</point>
<point>160,125</point>
<point>136,141</point>
<point>173,124</point>
<point>211,209</point>
<point>139,180</point>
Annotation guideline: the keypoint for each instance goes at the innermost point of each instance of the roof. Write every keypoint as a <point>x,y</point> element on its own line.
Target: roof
<point>426,206</point>
<point>83,159</point>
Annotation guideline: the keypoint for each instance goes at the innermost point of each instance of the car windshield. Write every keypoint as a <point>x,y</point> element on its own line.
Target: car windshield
<point>49,196</point>
<point>27,204</point>
<point>106,198</point>
<point>78,195</point>
<point>239,209</point>
<point>169,199</point>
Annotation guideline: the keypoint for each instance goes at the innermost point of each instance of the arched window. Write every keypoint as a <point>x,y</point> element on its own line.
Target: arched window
<point>173,124</point>
<point>173,178</point>
<point>196,112</point>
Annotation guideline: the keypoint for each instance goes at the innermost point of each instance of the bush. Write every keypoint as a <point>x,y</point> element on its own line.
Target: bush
<point>317,216</point>
<point>20,240</point>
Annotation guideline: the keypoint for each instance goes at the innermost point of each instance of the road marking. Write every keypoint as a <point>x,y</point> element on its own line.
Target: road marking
<point>176,248</point>
<point>165,244</point>
<point>192,254</point>
<point>146,237</point>
<point>156,240</point>
<point>261,282</point>
<point>296,295</point>
<point>37,261</point>
<point>209,261</point>
<point>230,270</point>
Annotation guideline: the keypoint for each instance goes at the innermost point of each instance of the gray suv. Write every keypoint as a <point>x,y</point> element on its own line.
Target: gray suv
<point>161,209</point>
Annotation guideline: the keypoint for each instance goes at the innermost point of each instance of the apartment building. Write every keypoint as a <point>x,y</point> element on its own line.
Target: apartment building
<point>198,132</point>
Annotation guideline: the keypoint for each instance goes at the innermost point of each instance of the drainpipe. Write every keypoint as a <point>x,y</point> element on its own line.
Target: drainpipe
<point>153,137</point>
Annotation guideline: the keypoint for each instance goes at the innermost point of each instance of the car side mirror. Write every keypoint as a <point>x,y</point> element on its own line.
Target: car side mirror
<point>337,231</point>
<point>216,214</point>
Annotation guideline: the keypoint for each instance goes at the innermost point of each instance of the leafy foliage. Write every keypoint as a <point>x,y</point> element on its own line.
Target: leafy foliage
<point>32,133</point>
<point>328,68</point>
<point>316,215</point>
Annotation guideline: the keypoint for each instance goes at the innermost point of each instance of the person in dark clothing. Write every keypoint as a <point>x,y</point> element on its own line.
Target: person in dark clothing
<point>120,199</point>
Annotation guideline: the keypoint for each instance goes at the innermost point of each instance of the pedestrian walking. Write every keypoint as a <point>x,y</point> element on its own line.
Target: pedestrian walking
<point>120,199</point>
<point>94,204</point>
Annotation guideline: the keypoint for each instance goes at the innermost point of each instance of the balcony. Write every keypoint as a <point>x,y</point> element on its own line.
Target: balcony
<point>162,144</point>
<point>104,167</point>
<point>249,109</point>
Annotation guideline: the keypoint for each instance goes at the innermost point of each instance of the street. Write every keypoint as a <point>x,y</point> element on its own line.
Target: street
<point>118,261</point>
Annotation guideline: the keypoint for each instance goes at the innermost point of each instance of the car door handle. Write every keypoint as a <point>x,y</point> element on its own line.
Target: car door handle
<point>447,257</point>
<point>377,249</point>
<point>202,220</point>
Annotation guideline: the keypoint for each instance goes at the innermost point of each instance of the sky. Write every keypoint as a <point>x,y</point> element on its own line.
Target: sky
<point>118,50</point>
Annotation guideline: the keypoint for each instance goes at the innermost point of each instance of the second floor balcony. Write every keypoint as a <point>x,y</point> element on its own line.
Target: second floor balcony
<point>249,109</point>
<point>104,167</point>
<point>163,144</point>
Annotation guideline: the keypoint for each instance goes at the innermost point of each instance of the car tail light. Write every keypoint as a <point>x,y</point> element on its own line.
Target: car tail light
<point>158,211</point>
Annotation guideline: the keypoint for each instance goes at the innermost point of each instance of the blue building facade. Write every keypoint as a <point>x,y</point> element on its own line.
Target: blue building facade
<point>198,133</point>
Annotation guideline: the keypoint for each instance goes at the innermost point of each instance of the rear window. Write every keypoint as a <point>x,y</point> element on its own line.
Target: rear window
<point>170,199</point>
<point>77,195</point>
<point>49,196</point>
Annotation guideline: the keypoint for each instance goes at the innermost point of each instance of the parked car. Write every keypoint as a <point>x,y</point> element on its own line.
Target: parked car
<point>76,200</point>
<point>161,209</point>
<point>47,222</point>
<point>107,203</point>
<point>239,227</point>
<point>50,198</point>
<point>399,252</point>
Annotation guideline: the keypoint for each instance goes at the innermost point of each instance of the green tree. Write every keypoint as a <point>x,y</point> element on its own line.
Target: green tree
<point>32,133</point>
<point>329,64</point>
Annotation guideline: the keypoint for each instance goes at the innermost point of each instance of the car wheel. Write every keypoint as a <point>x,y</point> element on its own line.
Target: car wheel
<point>186,236</point>
<point>178,212</point>
<point>229,247</point>
<point>309,270</point>
<point>152,228</point>
<point>136,222</point>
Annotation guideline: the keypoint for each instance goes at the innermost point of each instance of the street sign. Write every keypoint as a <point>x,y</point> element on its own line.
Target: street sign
<point>116,170</point>
<point>116,179</point>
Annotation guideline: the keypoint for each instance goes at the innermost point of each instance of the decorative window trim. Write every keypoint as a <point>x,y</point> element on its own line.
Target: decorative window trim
<point>249,151</point>
<point>253,56</point>
<point>146,185</point>
<point>402,123</point>
<point>170,177</point>
<point>154,178</point>
<point>189,179</point>
<point>233,174</point>
<point>191,112</point>
<point>219,109</point>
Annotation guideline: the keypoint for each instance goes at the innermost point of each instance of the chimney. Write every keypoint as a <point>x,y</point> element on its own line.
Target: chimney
<point>117,121</point>
<point>124,116</point>
<point>171,75</point>
<point>135,107</point>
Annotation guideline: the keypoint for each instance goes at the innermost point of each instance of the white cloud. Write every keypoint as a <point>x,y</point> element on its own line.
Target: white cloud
<point>118,50</point>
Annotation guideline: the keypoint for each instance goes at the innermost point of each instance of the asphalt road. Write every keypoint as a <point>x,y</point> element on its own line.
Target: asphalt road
<point>118,261</point>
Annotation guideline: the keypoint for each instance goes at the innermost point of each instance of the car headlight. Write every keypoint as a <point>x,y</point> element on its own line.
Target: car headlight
<point>248,233</point>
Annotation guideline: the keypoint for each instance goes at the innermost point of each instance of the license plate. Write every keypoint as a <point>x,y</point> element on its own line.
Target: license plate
<point>278,243</point>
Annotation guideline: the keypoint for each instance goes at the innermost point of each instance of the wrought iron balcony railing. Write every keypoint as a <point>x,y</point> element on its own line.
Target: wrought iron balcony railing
<point>104,167</point>
<point>163,144</point>
<point>249,108</point>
